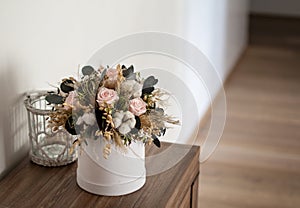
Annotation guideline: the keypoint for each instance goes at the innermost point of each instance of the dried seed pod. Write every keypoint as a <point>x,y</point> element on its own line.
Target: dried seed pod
<point>109,117</point>
<point>107,135</point>
<point>106,151</point>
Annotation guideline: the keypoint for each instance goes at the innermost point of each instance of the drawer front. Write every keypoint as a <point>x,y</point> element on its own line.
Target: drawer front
<point>194,194</point>
<point>190,200</point>
<point>186,202</point>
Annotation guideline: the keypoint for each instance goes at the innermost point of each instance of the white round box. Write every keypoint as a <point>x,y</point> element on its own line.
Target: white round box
<point>122,173</point>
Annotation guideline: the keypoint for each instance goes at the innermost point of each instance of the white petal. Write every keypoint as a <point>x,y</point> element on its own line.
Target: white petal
<point>124,129</point>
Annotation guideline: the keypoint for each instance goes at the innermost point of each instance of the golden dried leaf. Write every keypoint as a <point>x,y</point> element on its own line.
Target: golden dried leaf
<point>118,140</point>
<point>106,151</point>
<point>145,122</point>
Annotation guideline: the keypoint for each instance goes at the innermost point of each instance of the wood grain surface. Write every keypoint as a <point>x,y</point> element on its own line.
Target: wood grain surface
<point>30,185</point>
<point>257,163</point>
<point>270,30</point>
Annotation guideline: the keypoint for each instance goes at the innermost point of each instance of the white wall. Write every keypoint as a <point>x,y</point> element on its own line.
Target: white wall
<point>219,29</point>
<point>276,7</point>
<point>44,41</point>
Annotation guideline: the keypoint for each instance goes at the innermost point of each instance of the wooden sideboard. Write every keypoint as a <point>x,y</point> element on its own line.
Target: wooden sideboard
<point>30,185</point>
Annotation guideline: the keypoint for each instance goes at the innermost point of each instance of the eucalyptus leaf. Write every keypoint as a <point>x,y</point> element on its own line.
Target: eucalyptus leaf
<point>87,70</point>
<point>131,76</point>
<point>160,111</point>
<point>150,82</point>
<point>163,131</point>
<point>134,131</point>
<point>55,99</point>
<point>102,75</point>
<point>148,90</point>
<point>137,122</point>
<point>67,86</point>
<point>156,141</point>
<point>127,72</point>
<point>70,126</point>
<point>100,120</point>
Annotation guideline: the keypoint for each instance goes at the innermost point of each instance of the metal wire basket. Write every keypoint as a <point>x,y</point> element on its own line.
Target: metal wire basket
<point>48,147</point>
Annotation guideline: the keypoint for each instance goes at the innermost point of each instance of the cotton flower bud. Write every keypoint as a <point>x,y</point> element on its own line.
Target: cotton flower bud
<point>131,88</point>
<point>124,121</point>
<point>87,118</point>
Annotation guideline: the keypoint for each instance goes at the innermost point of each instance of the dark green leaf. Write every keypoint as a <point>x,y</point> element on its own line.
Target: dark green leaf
<point>131,76</point>
<point>156,141</point>
<point>134,131</point>
<point>70,126</point>
<point>129,141</point>
<point>100,121</point>
<point>147,90</point>
<point>160,111</point>
<point>137,122</point>
<point>150,82</point>
<point>67,86</point>
<point>87,70</point>
<point>127,72</point>
<point>102,75</point>
<point>54,99</point>
<point>163,131</point>
<point>131,68</point>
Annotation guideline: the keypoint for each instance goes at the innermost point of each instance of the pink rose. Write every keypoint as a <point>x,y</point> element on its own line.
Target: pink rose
<point>106,95</point>
<point>112,74</point>
<point>70,100</point>
<point>137,106</point>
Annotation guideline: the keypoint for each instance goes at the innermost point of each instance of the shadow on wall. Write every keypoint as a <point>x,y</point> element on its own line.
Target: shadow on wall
<point>13,122</point>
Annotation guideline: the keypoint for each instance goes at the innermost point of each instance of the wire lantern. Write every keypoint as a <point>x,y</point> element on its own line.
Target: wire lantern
<point>48,147</point>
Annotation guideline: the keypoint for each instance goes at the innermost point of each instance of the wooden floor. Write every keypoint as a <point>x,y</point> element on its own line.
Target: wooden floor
<point>257,163</point>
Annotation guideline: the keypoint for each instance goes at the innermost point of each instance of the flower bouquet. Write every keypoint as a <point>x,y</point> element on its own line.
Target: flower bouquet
<point>114,109</point>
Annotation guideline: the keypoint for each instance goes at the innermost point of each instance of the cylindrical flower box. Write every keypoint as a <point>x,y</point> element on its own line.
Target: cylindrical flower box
<point>48,147</point>
<point>123,172</point>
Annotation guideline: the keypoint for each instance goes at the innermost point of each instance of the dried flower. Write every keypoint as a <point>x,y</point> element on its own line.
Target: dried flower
<point>70,100</point>
<point>131,89</point>
<point>146,123</point>
<point>87,118</point>
<point>106,151</point>
<point>124,121</point>
<point>115,104</point>
<point>106,95</point>
<point>137,106</point>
